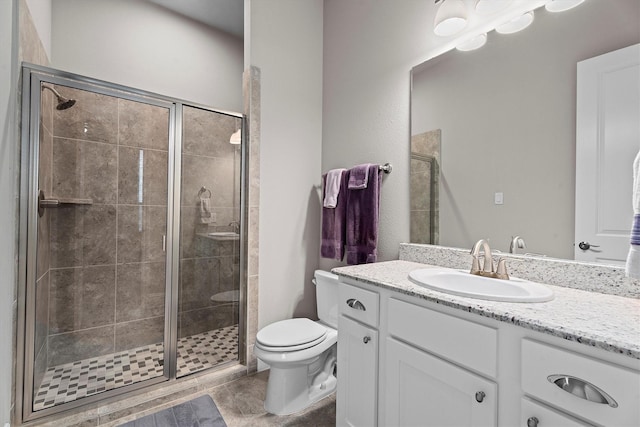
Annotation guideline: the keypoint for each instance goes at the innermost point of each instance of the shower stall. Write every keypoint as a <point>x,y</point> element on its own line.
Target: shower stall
<point>131,241</point>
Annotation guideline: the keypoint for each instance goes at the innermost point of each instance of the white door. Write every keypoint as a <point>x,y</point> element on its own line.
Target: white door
<point>424,390</point>
<point>607,141</point>
<point>357,374</point>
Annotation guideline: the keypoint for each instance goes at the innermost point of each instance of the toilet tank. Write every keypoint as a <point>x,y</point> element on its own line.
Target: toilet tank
<point>327,297</point>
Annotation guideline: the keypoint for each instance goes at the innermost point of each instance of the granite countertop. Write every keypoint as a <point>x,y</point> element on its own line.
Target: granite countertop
<point>609,322</point>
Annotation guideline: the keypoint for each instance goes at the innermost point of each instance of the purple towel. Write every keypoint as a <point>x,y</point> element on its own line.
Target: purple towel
<point>359,176</point>
<point>334,222</point>
<point>362,220</point>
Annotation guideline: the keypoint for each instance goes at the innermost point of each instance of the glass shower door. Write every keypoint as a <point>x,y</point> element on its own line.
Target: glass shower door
<point>100,284</point>
<point>209,281</point>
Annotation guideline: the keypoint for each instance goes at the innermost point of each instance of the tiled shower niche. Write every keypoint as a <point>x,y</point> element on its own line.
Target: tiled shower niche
<point>101,285</point>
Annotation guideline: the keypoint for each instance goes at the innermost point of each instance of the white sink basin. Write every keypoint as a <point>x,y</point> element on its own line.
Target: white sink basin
<point>462,283</point>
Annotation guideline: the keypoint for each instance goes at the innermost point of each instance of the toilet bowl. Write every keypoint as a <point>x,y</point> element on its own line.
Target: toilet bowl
<point>301,353</point>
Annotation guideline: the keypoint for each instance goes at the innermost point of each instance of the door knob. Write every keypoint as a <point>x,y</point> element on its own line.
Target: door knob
<point>532,422</point>
<point>480,396</point>
<point>366,340</point>
<point>585,246</point>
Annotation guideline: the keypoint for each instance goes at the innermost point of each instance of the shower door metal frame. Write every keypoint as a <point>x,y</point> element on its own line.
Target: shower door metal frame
<point>32,77</point>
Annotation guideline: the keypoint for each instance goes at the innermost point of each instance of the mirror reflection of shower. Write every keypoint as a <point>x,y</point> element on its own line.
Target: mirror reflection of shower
<point>236,141</point>
<point>63,103</point>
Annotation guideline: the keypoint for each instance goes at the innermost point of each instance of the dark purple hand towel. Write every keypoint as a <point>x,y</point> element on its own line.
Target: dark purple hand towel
<point>334,222</point>
<point>362,220</point>
<point>359,176</point>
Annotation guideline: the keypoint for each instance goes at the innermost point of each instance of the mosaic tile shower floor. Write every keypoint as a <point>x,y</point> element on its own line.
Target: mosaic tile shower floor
<point>72,381</point>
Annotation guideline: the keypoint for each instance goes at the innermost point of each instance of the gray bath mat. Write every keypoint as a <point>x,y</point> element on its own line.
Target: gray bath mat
<point>199,412</point>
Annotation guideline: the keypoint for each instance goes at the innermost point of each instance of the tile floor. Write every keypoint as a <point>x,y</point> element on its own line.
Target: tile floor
<point>198,412</point>
<point>71,381</point>
<point>241,403</point>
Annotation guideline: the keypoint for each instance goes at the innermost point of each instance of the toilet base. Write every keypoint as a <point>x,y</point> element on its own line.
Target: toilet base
<point>295,388</point>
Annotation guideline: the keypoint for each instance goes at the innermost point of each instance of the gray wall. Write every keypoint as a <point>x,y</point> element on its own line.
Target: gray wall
<point>136,43</point>
<point>508,117</point>
<point>286,44</point>
<point>8,193</point>
<point>370,48</point>
<point>41,14</point>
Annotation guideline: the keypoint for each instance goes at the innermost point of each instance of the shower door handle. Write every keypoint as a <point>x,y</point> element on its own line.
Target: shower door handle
<point>164,243</point>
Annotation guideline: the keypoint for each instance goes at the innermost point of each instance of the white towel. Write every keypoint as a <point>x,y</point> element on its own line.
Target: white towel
<point>205,210</point>
<point>633,259</point>
<point>332,187</point>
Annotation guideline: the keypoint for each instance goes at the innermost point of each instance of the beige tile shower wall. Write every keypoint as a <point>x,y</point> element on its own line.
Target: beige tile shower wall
<point>107,261</point>
<point>251,90</point>
<point>208,267</point>
<point>31,48</point>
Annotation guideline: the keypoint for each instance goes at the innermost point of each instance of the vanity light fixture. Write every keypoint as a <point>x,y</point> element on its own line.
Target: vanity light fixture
<point>486,7</point>
<point>236,137</point>
<point>561,5</point>
<point>473,43</point>
<point>517,24</point>
<point>451,18</point>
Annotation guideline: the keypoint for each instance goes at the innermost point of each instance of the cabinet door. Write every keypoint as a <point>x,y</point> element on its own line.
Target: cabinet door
<point>423,390</point>
<point>357,374</point>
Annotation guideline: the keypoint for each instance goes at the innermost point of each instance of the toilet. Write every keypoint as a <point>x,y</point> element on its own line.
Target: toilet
<point>301,353</point>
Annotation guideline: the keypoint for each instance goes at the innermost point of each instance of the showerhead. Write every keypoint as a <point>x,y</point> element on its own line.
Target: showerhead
<point>63,103</point>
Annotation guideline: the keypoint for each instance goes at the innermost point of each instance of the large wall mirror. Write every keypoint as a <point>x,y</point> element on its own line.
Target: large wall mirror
<point>500,123</point>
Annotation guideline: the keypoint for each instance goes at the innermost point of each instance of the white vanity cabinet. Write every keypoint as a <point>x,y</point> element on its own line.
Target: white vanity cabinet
<point>357,357</point>
<point>427,364</point>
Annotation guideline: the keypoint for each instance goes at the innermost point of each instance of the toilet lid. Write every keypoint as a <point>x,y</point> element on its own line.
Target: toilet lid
<point>291,334</point>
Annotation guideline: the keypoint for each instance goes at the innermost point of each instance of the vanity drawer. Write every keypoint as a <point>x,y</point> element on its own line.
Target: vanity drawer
<point>542,364</point>
<point>535,414</point>
<point>359,304</point>
<point>460,341</point>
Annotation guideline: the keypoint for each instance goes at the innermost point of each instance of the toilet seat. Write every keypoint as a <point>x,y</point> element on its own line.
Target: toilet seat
<point>291,335</point>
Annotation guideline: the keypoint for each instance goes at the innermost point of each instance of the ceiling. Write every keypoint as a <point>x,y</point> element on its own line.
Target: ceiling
<point>224,15</point>
<point>228,16</point>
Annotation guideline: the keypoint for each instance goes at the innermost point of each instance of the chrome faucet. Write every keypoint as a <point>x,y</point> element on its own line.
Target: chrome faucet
<point>236,226</point>
<point>517,242</point>
<point>487,271</point>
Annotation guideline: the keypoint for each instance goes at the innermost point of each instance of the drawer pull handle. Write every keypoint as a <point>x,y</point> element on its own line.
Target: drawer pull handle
<point>582,389</point>
<point>532,422</point>
<point>480,395</point>
<point>355,304</point>
<point>366,340</point>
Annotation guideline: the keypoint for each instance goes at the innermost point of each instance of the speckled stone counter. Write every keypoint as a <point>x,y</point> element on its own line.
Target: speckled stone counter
<point>605,279</point>
<point>609,322</point>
